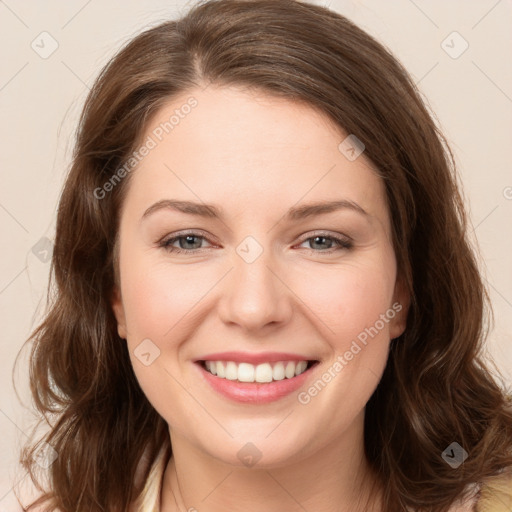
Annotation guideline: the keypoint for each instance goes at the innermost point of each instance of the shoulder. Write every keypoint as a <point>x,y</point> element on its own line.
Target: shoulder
<point>149,499</point>
<point>496,493</point>
<point>493,494</point>
<point>468,501</point>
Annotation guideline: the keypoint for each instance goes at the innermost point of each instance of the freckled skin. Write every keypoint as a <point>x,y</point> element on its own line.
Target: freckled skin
<point>256,156</point>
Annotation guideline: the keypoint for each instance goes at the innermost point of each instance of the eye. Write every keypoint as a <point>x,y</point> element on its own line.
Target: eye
<point>326,243</point>
<point>191,242</point>
<point>187,243</point>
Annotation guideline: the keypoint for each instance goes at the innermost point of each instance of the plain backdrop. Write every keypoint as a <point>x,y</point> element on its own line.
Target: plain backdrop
<point>458,52</point>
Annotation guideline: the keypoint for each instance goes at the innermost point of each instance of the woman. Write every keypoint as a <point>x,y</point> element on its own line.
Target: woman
<point>265,298</point>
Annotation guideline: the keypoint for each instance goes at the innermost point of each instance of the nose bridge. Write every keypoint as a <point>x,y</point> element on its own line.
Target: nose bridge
<point>254,296</point>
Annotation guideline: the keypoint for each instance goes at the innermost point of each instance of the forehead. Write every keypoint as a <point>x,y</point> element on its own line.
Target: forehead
<point>245,148</point>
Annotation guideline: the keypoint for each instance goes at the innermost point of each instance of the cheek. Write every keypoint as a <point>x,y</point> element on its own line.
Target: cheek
<point>355,308</point>
<point>350,299</point>
<point>158,297</point>
<point>160,300</point>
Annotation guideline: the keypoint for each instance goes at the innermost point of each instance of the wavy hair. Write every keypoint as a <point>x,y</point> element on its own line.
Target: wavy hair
<point>437,386</point>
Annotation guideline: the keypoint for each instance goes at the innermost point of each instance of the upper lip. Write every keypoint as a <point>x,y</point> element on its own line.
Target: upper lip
<point>254,358</point>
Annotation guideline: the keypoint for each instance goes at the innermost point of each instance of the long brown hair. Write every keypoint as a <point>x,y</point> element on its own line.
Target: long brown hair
<point>436,388</point>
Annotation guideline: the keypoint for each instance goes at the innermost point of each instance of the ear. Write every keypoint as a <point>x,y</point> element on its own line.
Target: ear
<point>118,308</point>
<point>401,303</point>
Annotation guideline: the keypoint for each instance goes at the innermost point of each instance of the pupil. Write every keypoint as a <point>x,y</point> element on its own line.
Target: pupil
<point>189,239</point>
<point>321,238</point>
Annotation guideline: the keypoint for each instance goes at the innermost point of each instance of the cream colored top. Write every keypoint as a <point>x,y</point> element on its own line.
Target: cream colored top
<point>494,496</point>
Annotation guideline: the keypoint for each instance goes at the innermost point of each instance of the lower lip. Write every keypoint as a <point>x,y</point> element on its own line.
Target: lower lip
<point>255,392</point>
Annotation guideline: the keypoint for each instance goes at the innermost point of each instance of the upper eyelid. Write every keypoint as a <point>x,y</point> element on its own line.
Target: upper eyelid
<point>193,232</point>
<point>204,234</point>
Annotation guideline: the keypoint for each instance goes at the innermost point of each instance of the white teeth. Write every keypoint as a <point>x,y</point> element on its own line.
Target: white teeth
<point>231,371</point>
<point>278,371</point>
<point>220,369</point>
<point>289,371</point>
<point>212,367</point>
<point>265,372</point>
<point>245,372</point>
<point>300,367</point>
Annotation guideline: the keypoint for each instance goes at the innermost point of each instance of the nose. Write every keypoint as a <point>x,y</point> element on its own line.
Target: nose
<point>254,296</point>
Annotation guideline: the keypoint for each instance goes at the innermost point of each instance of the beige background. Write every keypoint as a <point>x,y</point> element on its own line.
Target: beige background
<point>41,98</point>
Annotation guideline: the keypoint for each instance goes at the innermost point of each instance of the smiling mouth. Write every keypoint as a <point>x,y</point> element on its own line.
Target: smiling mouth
<point>260,373</point>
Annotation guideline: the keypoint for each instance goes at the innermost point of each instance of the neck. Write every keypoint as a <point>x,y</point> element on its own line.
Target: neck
<point>336,478</point>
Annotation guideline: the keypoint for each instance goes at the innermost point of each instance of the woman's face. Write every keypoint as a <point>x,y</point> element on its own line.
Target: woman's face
<point>271,275</point>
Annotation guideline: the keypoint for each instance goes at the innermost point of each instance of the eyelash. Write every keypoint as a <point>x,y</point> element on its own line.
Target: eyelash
<point>343,243</point>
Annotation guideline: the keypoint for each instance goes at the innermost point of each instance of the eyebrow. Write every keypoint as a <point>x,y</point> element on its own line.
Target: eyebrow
<point>293,213</point>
